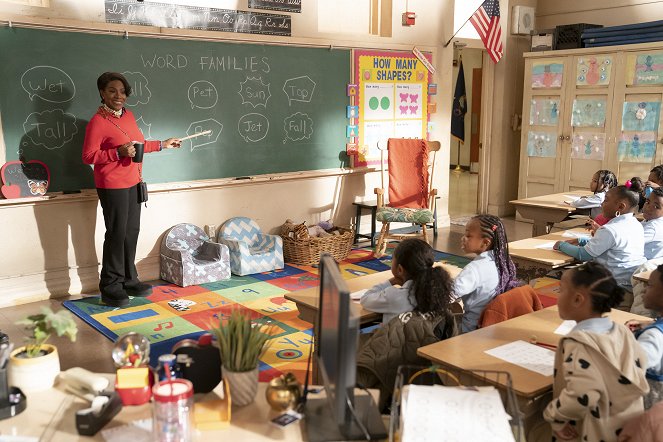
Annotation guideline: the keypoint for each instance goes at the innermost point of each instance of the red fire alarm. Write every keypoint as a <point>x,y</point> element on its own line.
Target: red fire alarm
<point>408,18</point>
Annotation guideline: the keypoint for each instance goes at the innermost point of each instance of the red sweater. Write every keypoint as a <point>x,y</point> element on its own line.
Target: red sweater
<point>102,138</point>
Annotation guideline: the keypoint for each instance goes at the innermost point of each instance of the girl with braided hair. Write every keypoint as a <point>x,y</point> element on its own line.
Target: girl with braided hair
<point>602,181</point>
<point>491,273</point>
<point>655,178</point>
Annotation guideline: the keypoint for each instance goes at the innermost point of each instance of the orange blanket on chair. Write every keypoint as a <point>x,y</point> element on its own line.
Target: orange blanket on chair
<point>408,173</point>
<point>511,304</point>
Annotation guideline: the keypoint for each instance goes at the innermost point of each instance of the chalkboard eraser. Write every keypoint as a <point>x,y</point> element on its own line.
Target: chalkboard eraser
<point>244,178</point>
<point>67,192</point>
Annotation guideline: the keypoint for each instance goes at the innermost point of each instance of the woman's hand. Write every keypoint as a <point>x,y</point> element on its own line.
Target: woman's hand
<point>566,433</point>
<point>171,143</point>
<point>126,150</point>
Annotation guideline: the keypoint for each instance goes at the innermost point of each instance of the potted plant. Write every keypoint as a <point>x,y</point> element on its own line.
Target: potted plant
<point>241,344</point>
<point>35,366</point>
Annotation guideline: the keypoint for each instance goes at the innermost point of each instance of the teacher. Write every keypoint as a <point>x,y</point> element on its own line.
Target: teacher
<point>109,145</point>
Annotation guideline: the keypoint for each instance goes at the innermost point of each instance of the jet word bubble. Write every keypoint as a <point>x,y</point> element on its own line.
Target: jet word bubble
<point>202,94</point>
<point>299,89</point>
<point>253,127</point>
<point>48,83</point>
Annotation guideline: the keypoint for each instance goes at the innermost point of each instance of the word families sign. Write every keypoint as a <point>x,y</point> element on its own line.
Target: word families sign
<point>277,5</point>
<point>165,15</point>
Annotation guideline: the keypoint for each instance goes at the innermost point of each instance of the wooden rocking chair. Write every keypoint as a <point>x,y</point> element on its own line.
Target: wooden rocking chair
<point>411,193</point>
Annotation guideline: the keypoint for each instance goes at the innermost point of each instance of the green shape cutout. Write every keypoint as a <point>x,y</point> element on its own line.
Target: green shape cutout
<point>385,103</point>
<point>373,103</point>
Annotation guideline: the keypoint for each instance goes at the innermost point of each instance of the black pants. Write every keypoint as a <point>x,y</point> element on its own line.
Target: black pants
<point>122,219</point>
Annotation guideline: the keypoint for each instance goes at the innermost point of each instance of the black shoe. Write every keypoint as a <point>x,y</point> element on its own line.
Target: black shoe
<point>138,289</point>
<point>115,297</point>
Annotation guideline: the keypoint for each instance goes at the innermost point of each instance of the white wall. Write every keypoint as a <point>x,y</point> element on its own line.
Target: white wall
<point>53,247</point>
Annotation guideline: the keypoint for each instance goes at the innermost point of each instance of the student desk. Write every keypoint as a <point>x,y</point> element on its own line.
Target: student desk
<point>534,263</point>
<point>546,210</point>
<point>466,352</point>
<point>643,276</point>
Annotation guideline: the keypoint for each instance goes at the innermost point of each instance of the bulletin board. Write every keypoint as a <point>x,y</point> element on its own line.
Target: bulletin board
<point>392,100</point>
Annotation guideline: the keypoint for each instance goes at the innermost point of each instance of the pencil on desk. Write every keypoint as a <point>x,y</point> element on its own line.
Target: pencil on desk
<point>549,346</point>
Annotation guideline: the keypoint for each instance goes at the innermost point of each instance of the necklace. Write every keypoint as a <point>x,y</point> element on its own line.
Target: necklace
<point>116,114</point>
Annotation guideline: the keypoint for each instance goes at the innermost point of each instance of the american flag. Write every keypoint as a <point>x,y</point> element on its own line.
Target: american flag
<point>486,20</point>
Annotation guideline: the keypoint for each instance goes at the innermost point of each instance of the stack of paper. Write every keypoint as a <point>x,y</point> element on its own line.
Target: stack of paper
<point>526,355</point>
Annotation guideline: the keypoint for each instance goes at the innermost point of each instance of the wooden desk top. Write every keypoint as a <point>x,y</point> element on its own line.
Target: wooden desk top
<point>644,276</point>
<point>526,249</point>
<point>552,201</point>
<point>466,352</point>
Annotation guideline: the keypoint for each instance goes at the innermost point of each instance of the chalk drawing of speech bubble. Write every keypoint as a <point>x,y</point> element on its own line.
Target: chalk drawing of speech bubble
<point>253,127</point>
<point>298,126</point>
<point>145,128</point>
<point>254,92</point>
<point>140,92</point>
<point>51,129</point>
<point>201,126</point>
<point>202,94</point>
<point>48,83</point>
<point>299,89</point>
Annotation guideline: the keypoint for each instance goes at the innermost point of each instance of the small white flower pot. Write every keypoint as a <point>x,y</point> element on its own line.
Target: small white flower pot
<point>34,374</point>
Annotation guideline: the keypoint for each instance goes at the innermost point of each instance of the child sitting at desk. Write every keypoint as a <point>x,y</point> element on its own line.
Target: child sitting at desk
<point>655,178</point>
<point>619,244</point>
<point>599,376</point>
<point>602,181</point>
<point>491,273</point>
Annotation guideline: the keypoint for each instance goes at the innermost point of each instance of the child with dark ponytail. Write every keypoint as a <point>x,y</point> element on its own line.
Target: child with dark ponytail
<point>491,273</point>
<point>599,376</point>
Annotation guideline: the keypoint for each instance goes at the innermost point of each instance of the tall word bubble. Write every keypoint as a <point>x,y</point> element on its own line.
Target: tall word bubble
<point>48,83</point>
<point>145,128</point>
<point>201,126</point>
<point>298,126</point>
<point>254,92</point>
<point>202,94</point>
<point>140,92</point>
<point>299,89</point>
<point>51,129</point>
<point>253,127</point>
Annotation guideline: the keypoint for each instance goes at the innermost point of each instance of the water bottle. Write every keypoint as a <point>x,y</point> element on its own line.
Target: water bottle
<point>173,411</point>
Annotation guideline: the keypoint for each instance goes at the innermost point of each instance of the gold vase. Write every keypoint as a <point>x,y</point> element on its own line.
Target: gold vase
<point>283,392</point>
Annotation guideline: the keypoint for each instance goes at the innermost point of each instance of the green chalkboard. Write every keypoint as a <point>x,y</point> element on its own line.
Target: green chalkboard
<point>271,108</point>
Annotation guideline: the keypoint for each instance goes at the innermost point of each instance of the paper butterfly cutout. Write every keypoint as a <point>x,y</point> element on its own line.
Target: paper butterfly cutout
<point>413,109</point>
<point>414,98</point>
<point>37,187</point>
<point>403,109</point>
<point>403,96</point>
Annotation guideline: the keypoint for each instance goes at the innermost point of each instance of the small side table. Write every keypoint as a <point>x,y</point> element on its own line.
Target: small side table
<point>373,207</point>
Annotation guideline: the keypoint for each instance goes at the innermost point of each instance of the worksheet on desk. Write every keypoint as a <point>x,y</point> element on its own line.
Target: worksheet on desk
<point>526,355</point>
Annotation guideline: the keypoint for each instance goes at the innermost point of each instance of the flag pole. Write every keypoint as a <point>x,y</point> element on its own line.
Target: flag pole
<point>458,168</point>
<point>468,19</point>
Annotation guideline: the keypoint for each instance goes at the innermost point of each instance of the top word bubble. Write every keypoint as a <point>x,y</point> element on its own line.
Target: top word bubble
<point>299,89</point>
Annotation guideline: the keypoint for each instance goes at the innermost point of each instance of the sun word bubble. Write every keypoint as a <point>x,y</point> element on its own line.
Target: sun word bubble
<point>51,129</point>
<point>202,94</point>
<point>299,89</point>
<point>298,126</point>
<point>48,83</point>
<point>254,92</point>
<point>201,126</point>
<point>253,127</point>
<point>140,92</point>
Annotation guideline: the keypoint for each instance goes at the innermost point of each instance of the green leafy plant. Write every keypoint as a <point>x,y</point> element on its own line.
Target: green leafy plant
<point>241,343</point>
<point>44,325</point>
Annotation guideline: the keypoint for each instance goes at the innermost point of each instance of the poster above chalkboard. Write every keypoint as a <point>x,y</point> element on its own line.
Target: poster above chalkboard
<point>277,5</point>
<point>192,17</point>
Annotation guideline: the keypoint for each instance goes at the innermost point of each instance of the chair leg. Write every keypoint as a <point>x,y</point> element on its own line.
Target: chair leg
<point>382,241</point>
<point>423,232</point>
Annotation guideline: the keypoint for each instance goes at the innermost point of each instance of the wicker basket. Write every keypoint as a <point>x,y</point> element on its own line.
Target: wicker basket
<point>300,248</point>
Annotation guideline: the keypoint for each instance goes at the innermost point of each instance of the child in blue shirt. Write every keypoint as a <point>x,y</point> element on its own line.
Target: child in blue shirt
<point>652,211</point>
<point>602,181</point>
<point>491,273</point>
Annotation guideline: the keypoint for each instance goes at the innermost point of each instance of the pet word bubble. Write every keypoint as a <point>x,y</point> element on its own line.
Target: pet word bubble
<point>201,126</point>
<point>203,95</point>
<point>51,129</point>
<point>48,83</point>
<point>253,127</point>
<point>254,92</point>
<point>299,89</point>
<point>140,92</point>
<point>298,126</point>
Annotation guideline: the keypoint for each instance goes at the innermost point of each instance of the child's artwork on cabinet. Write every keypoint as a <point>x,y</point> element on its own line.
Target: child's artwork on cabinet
<point>641,116</point>
<point>542,144</point>
<point>544,112</point>
<point>637,147</point>
<point>588,146</point>
<point>593,71</point>
<point>547,74</point>
<point>644,68</point>
<point>588,113</point>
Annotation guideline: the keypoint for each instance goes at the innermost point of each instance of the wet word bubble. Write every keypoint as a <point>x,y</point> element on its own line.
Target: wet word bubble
<point>254,92</point>
<point>299,89</point>
<point>202,94</point>
<point>253,127</point>
<point>48,83</point>
<point>140,92</point>
<point>298,126</point>
<point>201,126</point>
<point>50,128</point>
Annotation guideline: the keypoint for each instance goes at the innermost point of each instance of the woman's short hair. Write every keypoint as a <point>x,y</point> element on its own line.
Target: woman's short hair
<point>107,77</point>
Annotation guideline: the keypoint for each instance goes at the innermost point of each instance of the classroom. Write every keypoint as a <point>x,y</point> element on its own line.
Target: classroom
<point>264,100</point>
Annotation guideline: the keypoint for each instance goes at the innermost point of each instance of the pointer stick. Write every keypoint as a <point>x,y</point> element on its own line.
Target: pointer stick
<point>207,132</point>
